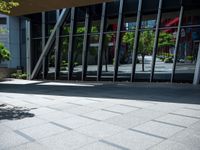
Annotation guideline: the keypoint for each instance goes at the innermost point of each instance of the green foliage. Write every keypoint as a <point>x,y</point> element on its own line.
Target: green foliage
<point>4,53</point>
<point>19,75</point>
<point>3,30</point>
<point>7,5</point>
<point>168,60</point>
<point>146,41</point>
<point>166,57</point>
<point>165,39</point>
<point>78,43</point>
<point>63,65</point>
<point>190,58</point>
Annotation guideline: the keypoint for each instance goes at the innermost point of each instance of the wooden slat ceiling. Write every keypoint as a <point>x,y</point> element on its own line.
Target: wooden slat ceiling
<point>35,6</point>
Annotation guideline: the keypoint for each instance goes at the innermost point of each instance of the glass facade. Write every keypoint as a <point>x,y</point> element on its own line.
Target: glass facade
<point>175,56</point>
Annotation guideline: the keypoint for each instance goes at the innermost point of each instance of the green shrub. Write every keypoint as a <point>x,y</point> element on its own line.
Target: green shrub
<point>13,75</point>
<point>168,60</point>
<point>19,75</point>
<point>190,58</point>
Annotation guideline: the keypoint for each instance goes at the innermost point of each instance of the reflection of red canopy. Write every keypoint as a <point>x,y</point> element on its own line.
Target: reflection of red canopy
<point>171,22</point>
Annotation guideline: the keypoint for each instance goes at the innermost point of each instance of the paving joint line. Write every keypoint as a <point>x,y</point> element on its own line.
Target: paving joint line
<point>75,104</point>
<point>169,123</point>
<point>112,111</point>
<point>89,118</point>
<point>59,125</point>
<point>130,106</point>
<point>24,135</point>
<point>192,108</point>
<point>113,144</point>
<point>185,115</point>
<point>153,135</point>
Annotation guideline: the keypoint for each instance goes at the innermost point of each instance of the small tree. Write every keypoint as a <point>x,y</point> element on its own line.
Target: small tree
<point>7,5</point>
<point>4,53</point>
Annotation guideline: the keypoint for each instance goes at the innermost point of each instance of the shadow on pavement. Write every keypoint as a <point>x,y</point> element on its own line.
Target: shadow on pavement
<point>14,113</point>
<point>162,92</point>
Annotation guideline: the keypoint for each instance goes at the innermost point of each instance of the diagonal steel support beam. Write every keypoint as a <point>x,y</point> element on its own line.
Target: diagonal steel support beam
<point>197,70</point>
<point>178,34</point>
<point>49,43</point>
<point>86,43</point>
<point>101,41</point>
<point>155,47</point>
<point>118,40</point>
<point>136,40</point>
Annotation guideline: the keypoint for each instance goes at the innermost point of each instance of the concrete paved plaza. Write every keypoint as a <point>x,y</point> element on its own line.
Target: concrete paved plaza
<point>42,115</point>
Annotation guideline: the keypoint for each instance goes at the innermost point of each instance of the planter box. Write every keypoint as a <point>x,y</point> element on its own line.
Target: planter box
<point>5,72</point>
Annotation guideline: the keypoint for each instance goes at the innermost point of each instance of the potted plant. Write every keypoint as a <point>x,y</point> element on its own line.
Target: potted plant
<point>4,56</point>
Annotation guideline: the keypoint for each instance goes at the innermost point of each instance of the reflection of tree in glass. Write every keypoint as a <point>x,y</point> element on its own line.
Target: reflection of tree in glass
<point>78,44</point>
<point>146,42</point>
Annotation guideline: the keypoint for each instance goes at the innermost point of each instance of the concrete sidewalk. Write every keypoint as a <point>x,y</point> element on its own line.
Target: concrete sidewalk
<point>38,115</point>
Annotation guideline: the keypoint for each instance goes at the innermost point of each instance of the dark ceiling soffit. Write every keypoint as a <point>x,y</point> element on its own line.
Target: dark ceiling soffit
<point>35,6</point>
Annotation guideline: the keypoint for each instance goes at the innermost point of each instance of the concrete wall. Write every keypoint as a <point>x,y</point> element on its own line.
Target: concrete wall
<point>14,42</point>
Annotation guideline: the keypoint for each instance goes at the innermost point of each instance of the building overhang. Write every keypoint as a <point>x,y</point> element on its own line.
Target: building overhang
<point>34,6</point>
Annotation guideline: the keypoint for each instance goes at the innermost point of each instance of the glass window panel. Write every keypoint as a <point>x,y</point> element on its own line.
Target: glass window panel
<point>187,55</point>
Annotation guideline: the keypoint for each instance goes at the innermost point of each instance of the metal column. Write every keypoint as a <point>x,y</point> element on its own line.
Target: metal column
<point>28,49</point>
<point>49,43</point>
<point>71,42</point>
<point>118,40</point>
<point>45,61</point>
<point>57,49</point>
<point>197,69</point>
<point>101,41</point>
<point>177,43</point>
<point>86,43</point>
<point>155,47</point>
<point>136,40</point>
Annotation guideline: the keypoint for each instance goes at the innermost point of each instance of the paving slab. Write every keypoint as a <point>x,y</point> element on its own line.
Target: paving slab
<point>99,146</point>
<point>24,123</point>
<point>62,106</point>
<point>100,130</point>
<point>69,140</point>
<point>133,140</point>
<point>53,116</point>
<point>75,122</point>
<point>170,145</point>
<point>188,112</point>
<point>188,137</point>
<point>178,120</point>
<point>100,115</point>
<point>146,114</point>
<point>158,129</point>
<point>10,139</point>
<point>195,126</point>
<point>121,109</point>
<point>42,131</point>
<point>126,121</point>
<point>42,110</point>
<point>79,110</point>
<point>29,146</point>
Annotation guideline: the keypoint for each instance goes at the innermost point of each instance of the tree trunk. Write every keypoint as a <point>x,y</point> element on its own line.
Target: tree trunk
<point>143,62</point>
